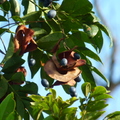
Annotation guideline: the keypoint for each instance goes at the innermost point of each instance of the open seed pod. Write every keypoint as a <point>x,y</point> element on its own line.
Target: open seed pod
<point>52,71</point>
<point>64,74</point>
<point>24,40</point>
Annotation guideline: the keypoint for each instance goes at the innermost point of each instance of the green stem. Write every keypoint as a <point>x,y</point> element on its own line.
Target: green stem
<point>36,5</point>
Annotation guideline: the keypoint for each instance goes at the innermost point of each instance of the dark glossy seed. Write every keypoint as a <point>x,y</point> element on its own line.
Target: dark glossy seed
<point>76,56</point>
<point>45,83</point>
<point>78,79</point>
<point>63,62</point>
<point>73,94</point>
<point>31,62</point>
<point>72,89</point>
<point>51,14</point>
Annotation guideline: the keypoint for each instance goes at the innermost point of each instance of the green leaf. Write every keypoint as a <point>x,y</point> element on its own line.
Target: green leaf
<point>102,96</point>
<point>70,112</point>
<point>96,105</point>
<point>18,77</point>
<point>2,31</point>
<point>53,93</point>
<point>113,116</point>
<point>93,115</point>
<point>30,88</point>
<point>98,41</point>
<point>2,18</point>
<point>53,24</point>
<point>47,42</point>
<point>12,116</point>
<point>37,55</point>
<point>10,50</point>
<point>27,104</point>
<point>6,7</point>
<point>29,6</point>
<point>80,37</point>
<point>87,75</point>
<point>66,88</point>
<point>12,64</point>
<point>99,90</point>
<point>20,106</point>
<point>76,39</point>
<point>86,88</point>
<point>89,53</point>
<point>15,7</point>
<point>36,98</point>
<point>26,115</point>
<point>101,75</point>
<point>3,86</point>
<point>7,106</point>
<point>33,16</point>
<point>56,109</point>
<point>108,33</point>
<point>39,31</point>
<point>76,6</point>
<point>17,19</point>
<point>91,30</point>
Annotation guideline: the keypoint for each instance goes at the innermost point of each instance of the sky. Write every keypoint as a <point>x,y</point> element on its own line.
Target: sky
<point>110,11</point>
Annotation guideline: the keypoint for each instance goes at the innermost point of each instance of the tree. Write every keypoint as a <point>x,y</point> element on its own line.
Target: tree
<point>56,38</point>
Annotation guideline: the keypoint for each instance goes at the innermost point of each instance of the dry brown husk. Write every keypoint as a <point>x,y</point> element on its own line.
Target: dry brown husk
<point>24,40</point>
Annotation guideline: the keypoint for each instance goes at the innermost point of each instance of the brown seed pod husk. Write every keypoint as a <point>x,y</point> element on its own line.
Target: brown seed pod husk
<point>51,70</point>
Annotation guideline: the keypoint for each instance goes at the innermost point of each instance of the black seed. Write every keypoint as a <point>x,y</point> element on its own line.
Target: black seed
<point>72,89</point>
<point>31,62</point>
<point>45,83</point>
<point>73,94</point>
<point>78,79</point>
<point>63,62</point>
<point>51,14</point>
<point>76,56</point>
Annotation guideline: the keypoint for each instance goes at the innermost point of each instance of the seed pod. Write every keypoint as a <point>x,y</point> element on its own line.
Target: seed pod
<point>15,7</point>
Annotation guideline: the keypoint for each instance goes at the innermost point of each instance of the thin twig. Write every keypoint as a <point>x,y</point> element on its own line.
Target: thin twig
<point>8,25</point>
<point>3,44</point>
<point>2,52</point>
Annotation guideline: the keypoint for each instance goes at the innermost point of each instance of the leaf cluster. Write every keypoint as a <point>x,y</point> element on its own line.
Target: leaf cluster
<point>74,26</point>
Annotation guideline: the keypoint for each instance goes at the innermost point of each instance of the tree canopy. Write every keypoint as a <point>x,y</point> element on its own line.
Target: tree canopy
<point>56,37</point>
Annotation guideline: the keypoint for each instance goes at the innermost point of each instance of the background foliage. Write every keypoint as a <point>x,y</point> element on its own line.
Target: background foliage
<point>76,25</point>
